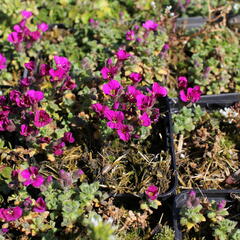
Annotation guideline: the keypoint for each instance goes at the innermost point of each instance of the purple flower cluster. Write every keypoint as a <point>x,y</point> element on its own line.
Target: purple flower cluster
<point>188,94</point>
<point>135,35</point>
<point>59,145</point>
<point>129,108</point>
<point>192,199</point>
<point>27,177</point>
<point>22,33</point>
<point>21,110</point>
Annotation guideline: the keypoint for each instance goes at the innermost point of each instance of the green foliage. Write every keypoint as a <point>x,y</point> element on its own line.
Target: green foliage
<point>223,229</point>
<point>70,202</point>
<point>191,217</point>
<point>166,233</point>
<point>186,120</point>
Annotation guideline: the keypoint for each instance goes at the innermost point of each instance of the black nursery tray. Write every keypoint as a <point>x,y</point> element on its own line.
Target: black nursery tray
<point>216,195</point>
<point>208,102</point>
<point>199,21</point>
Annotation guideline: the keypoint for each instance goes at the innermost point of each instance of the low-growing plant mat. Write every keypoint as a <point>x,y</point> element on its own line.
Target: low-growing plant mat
<point>123,168</point>
<point>209,154</point>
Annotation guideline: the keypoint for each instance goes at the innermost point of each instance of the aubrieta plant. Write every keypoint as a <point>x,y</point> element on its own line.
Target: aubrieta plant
<point>127,108</point>
<point>27,110</point>
<point>38,206</point>
<point>22,37</point>
<point>201,217</point>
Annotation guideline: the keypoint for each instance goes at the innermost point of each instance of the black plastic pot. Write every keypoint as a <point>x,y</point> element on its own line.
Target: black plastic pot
<point>170,147</point>
<point>180,200</point>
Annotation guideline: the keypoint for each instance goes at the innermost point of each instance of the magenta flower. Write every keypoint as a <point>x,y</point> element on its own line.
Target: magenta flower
<point>145,120</point>
<point>123,132</point>
<point>159,90</point>
<point>3,61</point>
<point>35,96</point>
<point>41,118</point>
<point>136,27</point>
<point>114,117</point>
<point>99,108</point>
<point>165,48</point>
<point>122,55</point>
<point>58,148</point>
<point>182,82</point>
<point>40,205</point>
<point>192,200</point>
<point>34,36</point>
<point>193,94</point>
<point>48,180</point>
<point>144,102</point>
<point>65,178</point>
<point>25,82</point>
<point>10,214</point>
<point>221,205</point>
<point>192,194</point>
<point>135,77</point>
<point>63,63</point>
<point>108,73</point>
<point>3,119</point>
<point>24,102</point>
<point>15,38</point>
<point>15,96</point>
<point>26,130</point>
<point>132,93</point>
<point>69,84</point>
<point>130,35</point>
<point>27,202</point>
<point>43,27</point>
<point>150,25</point>
<point>152,192</point>
<point>30,65</point>
<point>32,177</point>
<point>93,22</point>
<point>44,69</point>
<point>77,174</point>
<point>57,75</point>
<point>112,88</point>
<point>2,100</point>
<point>68,137</point>
<point>26,14</point>
<point>44,140</point>
<point>4,230</point>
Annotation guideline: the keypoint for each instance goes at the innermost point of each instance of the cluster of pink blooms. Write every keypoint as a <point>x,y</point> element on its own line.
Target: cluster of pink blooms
<point>22,34</point>
<point>135,34</point>
<point>21,109</point>
<point>188,94</point>
<point>129,107</point>
<point>140,35</point>
<point>29,176</point>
